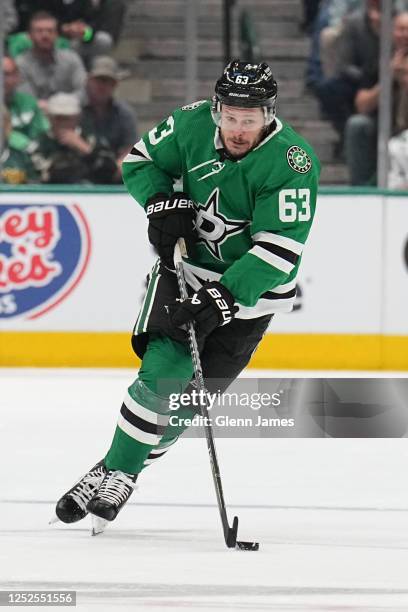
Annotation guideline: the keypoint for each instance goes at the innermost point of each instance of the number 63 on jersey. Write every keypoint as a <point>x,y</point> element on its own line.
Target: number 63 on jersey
<point>294,205</point>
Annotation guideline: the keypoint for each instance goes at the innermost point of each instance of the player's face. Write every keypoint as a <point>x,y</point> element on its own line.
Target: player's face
<point>241,128</point>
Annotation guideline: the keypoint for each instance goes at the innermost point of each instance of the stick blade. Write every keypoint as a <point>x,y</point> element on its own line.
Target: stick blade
<point>247,545</point>
<point>231,539</point>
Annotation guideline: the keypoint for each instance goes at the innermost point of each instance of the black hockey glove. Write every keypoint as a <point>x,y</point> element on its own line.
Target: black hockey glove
<point>211,307</point>
<point>171,218</point>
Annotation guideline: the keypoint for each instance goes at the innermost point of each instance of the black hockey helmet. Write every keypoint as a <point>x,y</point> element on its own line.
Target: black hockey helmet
<point>247,86</point>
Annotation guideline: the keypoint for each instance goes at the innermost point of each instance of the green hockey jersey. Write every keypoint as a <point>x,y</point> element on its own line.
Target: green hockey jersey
<point>253,215</point>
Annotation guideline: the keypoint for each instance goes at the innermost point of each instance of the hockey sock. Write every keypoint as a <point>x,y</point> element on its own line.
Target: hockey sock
<point>171,434</point>
<point>158,451</point>
<point>145,412</point>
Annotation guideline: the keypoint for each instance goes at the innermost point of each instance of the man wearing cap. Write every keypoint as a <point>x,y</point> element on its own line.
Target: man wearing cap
<point>65,154</point>
<point>103,114</point>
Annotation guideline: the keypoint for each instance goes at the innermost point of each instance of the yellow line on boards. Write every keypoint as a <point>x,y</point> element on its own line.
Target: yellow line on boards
<point>67,349</point>
<point>276,351</point>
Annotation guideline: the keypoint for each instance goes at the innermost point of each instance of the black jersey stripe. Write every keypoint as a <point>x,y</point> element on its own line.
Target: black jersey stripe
<point>133,419</point>
<point>135,151</point>
<point>285,254</point>
<point>270,295</point>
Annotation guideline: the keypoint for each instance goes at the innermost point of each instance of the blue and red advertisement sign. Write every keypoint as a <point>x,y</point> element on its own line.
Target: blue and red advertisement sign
<point>44,252</point>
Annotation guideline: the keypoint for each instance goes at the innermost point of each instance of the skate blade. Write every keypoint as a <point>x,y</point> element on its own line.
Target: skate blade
<point>53,519</point>
<point>98,525</point>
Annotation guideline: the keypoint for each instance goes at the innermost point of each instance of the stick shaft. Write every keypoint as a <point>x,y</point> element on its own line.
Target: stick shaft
<point>200,385</point>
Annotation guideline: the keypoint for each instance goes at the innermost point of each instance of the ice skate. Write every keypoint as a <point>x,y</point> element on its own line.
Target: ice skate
<point>72,506</point>
<point>115,490</point>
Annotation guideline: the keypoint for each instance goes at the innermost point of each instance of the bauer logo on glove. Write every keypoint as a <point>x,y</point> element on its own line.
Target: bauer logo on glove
<point>171,218</point>
<point>211,307</point>
<point>168,204</point>
<point>221,303</point>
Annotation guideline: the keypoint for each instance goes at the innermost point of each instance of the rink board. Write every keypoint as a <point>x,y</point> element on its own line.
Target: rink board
<point>73,265</point>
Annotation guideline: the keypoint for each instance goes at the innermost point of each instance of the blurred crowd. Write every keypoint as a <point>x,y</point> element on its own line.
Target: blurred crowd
<point>65,123</point>
<point>63,120</point>
<point>343,74</point>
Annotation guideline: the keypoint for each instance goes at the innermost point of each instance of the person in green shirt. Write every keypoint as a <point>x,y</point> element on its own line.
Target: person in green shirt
<point>16,167</point>
<point>26,116</point>
<point>249,193</point>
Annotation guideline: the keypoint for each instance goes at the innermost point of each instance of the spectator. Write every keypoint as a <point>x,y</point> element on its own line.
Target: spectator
<point>337,11</point>
<point>361,128</point>
<point>20,42</point>
<point>26,116</point>
<point>94,28</point>
<point>91,26</point>
<point>398,155</point>
<point>65,155</point>
<point>104,115</point>
<point>398,145</point>
<point>46,70</point>
<point>357,52</point>
<point>16,167</point>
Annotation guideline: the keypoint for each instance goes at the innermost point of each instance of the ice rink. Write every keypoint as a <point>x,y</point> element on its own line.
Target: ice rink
<point>331,515</point>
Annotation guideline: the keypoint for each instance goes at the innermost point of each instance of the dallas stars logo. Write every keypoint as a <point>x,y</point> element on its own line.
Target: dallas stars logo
<point>298,159</point>
<point>213,227</point>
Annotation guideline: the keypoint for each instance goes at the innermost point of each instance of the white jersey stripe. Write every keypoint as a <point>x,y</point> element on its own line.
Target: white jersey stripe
<point>271,259</point>
<point>284,288</point>
<point>156,282</point>
<point>282,241</point>
<point>135,159</point>
<point>145,155</point>
<point>264,307</point>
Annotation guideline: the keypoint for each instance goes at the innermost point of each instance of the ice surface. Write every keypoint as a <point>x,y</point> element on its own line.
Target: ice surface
<point>331,515</point>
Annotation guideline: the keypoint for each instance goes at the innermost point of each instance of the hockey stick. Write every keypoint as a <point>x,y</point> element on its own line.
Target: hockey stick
<point>230,533</point>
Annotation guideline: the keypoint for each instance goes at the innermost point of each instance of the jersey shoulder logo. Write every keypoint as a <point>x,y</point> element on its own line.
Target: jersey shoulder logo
<point>193,106</point>
<point>298,159</point>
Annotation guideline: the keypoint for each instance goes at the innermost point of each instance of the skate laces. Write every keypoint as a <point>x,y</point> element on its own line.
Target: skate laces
<point>87,487</point>
<point>116,487</point>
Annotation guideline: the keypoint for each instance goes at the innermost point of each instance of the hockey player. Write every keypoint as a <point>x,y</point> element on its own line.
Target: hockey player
<point>247,205</point>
